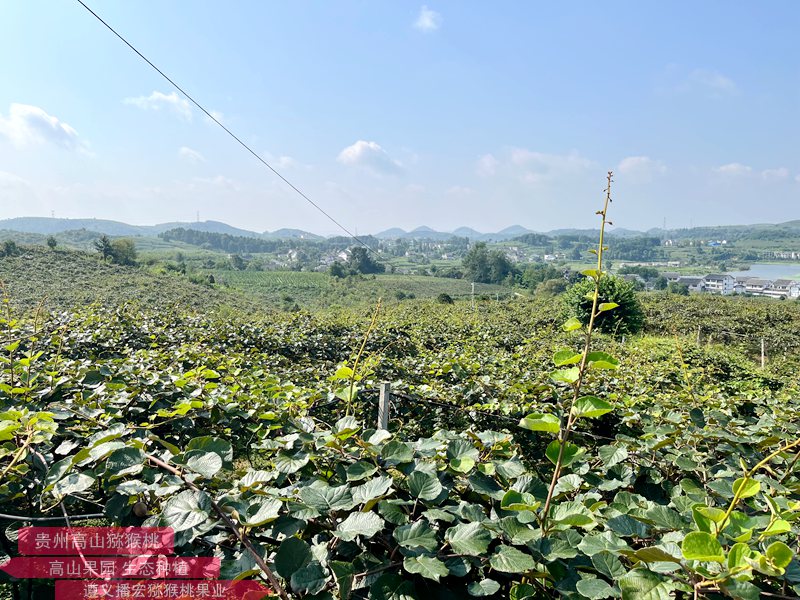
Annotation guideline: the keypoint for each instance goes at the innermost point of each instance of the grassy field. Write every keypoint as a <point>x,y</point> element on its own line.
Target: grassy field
<point>318,290</point>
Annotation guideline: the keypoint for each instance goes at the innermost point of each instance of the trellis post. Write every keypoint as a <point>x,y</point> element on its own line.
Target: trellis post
<point>383,405</point>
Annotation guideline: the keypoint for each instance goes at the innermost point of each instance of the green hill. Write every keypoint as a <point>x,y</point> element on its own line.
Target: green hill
<point>64,279</point>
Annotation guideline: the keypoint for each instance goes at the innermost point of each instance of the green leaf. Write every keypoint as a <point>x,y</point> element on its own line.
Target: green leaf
<point>374,488</point>
<point>779,554</point>
<point>391,587</point>
<point>604,306</point>
<point>595,589</point>
<point>290,462</point>
<point>346,427</point>
<point>741,590</point>
<point>392,511</point>
<point>125,462</point>
<point>541,422</point>
<point>206,464</point>
<point>697,417</point>
<point>343,373</point>
<point>261,511</point>
<point>186,510</point>
<point>566,357</point>
<point>571,513</point>
<point>484,587</point>
<point>508,559</point>
<point>612,455</point>
<point>609,565</point>
<point>572,324</point>
<point>427,566</point>
<point>601,361</point>
<point>212,444</point>
<point>746,488</point>
<point>292,555</point>
<point>344,573</point>
<point>72,484</point>
<point>737,555</point>
<point>702,546</point>
<point>514,500</point>
<point>652,555</point>
<point>462,465</point>
<point>522,591</point>
<point>359,524</point>
<point>461,449</point>
<point>645,585</point>
<point>469,538</point>
<point>569,454</point>
<point>777,527</point>
<point>309,579</point>
<point>325,498</point>
<point>416,535</point>
<point>590,407</point>
<point>569,376</point>
<point>395,453</point>
<point>713,514</point>
<point>360,470</point>
<point>424,486</point>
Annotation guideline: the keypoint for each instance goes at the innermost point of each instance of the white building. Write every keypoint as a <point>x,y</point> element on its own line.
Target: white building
<point>785,288</point>
<point>719,284</point>
<point>695,284</point>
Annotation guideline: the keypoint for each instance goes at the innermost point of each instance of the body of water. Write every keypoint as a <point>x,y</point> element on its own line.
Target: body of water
<point>788,270</point>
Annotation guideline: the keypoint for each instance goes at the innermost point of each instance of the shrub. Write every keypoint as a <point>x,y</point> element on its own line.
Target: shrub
<point>627,317</point>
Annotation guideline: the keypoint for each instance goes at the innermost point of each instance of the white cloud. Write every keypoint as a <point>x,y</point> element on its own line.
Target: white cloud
<point>713,81</point>
<point>219,181</point>
<point>191,155</point>
<point>460,190</point>
<point>775,174</point>
<point>217,115</point>
<point>428,20</point>
<point>487,165</point>
<point>734,169</point>
<point>28,124</point>
<point>9,180</point>
<point>159,101</point>
<point>641,168</point>
<point>371,156</point>
<point>285,162</point>
<point>539,167</point>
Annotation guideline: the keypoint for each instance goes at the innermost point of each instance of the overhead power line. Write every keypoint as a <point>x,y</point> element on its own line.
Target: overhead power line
<point>228,131</point>
<point>210,115</point>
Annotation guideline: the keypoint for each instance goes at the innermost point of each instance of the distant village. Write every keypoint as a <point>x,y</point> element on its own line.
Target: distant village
<point>728,284</point>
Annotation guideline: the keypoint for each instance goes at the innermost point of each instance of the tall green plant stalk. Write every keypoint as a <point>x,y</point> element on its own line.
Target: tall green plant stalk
<point>566,430</point>
<point>371,327</point>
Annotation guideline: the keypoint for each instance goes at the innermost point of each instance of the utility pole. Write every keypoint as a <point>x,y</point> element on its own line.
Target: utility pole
<point>763,353</point>
<point>472,296</point>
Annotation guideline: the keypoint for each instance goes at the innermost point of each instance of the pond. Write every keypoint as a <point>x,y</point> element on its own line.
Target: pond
<point>771,271</point>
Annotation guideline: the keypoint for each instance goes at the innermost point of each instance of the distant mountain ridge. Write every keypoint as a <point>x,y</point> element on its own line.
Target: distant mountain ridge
<point>50,225</point>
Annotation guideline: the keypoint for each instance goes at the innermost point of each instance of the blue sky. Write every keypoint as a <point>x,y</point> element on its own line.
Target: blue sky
<point>403,114</point>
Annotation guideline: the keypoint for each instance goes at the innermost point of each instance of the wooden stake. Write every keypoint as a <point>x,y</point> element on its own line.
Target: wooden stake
<point>383,405</point>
